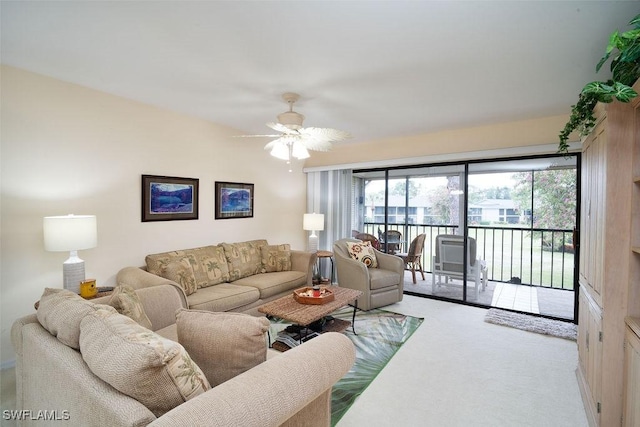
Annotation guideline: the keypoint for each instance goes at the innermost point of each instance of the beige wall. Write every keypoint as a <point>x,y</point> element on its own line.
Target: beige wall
<point>68,149</point>
<point>503,138</point>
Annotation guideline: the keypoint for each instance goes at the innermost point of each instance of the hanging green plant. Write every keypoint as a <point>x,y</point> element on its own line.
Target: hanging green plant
<point>625,69</point>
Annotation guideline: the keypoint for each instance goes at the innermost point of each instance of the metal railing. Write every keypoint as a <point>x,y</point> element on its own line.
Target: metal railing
<point>528,256</point>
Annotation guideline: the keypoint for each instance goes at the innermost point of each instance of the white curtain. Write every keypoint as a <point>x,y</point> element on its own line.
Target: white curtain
<point>330,193</point>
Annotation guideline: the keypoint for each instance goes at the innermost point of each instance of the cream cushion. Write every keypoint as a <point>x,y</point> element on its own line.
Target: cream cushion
<point>276,258</point>
<point>223,344</point>
<point>363,252</point>
<point>125,300</point>
<point>60,312</point>
<point>138,362</point>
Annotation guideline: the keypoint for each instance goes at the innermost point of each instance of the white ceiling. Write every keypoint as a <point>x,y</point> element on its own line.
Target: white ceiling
<point>373,68</point>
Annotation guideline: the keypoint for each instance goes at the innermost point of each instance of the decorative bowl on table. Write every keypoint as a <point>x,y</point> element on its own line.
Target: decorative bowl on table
<point>306,295</point>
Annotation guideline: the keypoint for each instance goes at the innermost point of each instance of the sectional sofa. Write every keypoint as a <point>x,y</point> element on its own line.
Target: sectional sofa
<point>93,363</point>
<point>226,277</point>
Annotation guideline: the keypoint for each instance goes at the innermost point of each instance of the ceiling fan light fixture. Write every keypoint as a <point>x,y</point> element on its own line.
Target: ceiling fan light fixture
<point>291,119</point>
<point>296,141</point>
<point>280,151</point>
<point>299,151</point>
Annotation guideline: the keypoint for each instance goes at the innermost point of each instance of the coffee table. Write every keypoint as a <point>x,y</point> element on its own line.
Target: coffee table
<point>287,308</point>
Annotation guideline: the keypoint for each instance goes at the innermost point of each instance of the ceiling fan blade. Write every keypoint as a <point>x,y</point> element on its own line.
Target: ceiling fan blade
<point>256,136</point>
<point>315,144</point>
<point>324,134</point>
<point>281,128</point>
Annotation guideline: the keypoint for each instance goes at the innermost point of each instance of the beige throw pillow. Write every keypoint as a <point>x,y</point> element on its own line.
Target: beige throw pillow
<point>126,301</point>
<point>363,252</point>
<point>181,272</point>
<point>223,344</point>
<point>244,258</point>
<point>156,264</point>
<point>60,312</point>
<point>154,370</point>
<point>276,258</point>
<point>214,265</point>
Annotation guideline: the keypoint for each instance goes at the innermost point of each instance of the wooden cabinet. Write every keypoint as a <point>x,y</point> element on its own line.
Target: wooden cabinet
<point>590,354</point>
<point>592,220</point>
<point>631,416</point>
<point>609,269</point>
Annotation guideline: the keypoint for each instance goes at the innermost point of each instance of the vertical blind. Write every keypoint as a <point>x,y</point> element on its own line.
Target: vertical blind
<point>330,193</point>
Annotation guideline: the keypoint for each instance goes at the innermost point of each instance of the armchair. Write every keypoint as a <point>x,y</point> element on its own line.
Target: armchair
<point>448,263</point>
<point>380,286</point>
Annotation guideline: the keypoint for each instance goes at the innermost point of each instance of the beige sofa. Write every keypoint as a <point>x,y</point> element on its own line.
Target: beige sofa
<point>292,388</point>
<point>226,277</point>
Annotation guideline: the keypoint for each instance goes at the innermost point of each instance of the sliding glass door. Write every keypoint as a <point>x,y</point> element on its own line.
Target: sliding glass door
<point>523,215</point>
<point>400,205</point>
<point>517,217</point>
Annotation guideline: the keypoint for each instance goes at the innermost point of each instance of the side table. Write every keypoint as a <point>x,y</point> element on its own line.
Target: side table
<point>326,254</point>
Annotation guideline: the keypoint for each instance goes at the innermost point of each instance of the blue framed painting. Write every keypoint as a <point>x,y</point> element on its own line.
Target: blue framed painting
<point>168,198</point>
<point>233,200</point>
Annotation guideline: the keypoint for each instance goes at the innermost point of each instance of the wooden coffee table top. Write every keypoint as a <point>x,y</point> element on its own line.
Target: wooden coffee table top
<point>289,309</point>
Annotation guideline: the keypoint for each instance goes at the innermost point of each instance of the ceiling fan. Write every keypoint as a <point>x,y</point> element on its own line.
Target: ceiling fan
<point>295,140</point>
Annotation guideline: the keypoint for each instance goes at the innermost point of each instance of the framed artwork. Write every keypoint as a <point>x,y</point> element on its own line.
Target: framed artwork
<point>167,198</point>
<point>233,200</point>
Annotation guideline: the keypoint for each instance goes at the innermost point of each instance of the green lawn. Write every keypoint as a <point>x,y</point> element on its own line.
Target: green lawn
<point>512,252</point>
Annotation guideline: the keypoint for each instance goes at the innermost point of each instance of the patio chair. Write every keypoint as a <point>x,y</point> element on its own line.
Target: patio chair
<point>366,237</point>
<point>413,258</point>
<point>380,286</point>
<point>390,240</point>
<point>448,263</point>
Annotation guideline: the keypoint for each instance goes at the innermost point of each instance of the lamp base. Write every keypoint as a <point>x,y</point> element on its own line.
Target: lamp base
<point>73,273</point>
<point>313,243</point>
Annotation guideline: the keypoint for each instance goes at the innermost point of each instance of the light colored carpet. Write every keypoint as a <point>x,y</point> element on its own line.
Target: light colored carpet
<point>379,335</point>
<point>536,324</point>
<point>457,370</point>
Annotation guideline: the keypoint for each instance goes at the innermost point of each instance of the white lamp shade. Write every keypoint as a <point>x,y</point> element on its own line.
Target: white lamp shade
<point>313,222</point>
<point>70,232</point>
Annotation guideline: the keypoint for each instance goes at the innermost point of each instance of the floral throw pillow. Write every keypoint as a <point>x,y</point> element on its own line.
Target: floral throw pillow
<point>363,252</point>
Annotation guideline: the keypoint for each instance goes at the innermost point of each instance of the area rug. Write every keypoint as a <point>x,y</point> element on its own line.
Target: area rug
<point>536,324</point>
<point>379,335</point>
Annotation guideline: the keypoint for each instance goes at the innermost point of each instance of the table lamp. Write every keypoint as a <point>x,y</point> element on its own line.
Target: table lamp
<point>71,233</point>
<point>313,222</point>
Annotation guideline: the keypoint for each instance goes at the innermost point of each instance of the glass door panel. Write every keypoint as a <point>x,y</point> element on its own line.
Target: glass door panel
<point>518,217</point>
<point>522,213</point>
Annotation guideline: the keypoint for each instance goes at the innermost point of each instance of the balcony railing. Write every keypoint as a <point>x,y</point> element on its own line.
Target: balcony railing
<point>529,256</point>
